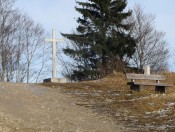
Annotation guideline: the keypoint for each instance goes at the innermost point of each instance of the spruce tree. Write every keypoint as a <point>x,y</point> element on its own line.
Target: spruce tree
<point>101,38</point>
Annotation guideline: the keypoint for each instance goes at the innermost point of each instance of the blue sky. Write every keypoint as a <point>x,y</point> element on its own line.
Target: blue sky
<point>60,14</point>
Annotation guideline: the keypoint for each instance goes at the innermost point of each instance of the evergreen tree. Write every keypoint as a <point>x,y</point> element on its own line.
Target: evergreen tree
<point>101,38</point>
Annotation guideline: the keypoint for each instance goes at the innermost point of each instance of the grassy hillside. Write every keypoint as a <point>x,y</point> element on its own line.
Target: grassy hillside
<point>145,111</point>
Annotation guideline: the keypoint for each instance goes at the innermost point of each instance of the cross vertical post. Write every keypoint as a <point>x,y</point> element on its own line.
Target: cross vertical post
<point>54,71</point>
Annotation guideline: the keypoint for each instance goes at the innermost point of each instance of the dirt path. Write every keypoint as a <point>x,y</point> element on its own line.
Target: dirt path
<point>30,108</point>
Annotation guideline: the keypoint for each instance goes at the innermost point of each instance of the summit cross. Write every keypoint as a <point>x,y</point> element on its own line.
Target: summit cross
<point>54,52</point>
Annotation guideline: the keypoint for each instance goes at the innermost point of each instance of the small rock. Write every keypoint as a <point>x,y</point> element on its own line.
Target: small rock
<point>117,114</point>
<point>148,113</point>
<point>108,101</point>
<point>43,107</point>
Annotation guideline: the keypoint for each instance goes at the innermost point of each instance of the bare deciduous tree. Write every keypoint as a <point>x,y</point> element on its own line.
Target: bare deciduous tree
<point>22,54</point>
<point>8,25</point>
<point>151,46</point>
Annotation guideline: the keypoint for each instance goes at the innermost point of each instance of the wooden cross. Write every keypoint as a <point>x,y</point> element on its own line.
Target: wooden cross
<point>54,51</point>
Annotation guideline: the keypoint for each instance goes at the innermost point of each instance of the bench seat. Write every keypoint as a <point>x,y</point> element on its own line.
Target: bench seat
<point>149,84</point>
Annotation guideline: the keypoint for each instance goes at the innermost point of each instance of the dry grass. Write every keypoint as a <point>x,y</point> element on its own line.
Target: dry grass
<point>145,111</point>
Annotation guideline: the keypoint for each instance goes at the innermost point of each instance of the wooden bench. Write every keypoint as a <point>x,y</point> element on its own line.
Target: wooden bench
<point>138,86</point>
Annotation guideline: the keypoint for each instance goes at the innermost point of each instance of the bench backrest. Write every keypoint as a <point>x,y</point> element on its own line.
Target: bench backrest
<point>145,77</point>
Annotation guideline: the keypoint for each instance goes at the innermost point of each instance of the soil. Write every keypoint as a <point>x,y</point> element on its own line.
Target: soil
<point>32,107</point>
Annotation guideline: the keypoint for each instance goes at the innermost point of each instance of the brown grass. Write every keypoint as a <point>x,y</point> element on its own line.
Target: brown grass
<point>111,96</point>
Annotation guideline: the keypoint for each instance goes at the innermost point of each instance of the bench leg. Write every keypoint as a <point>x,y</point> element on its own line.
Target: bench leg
<point>137,88</point>
<point>161,89</point>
